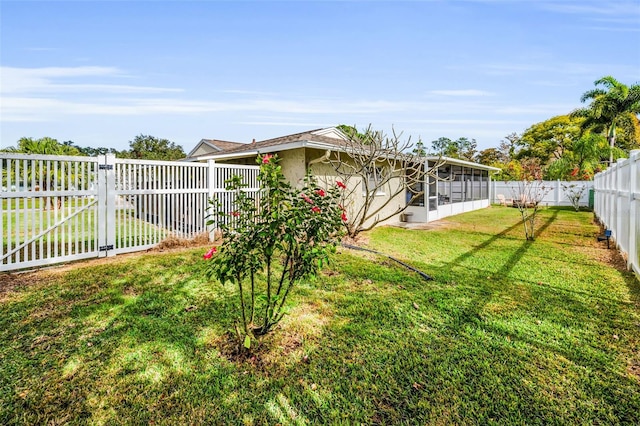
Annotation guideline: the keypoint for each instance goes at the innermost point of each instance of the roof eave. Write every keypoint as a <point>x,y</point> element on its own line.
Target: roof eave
<point>459,162</point>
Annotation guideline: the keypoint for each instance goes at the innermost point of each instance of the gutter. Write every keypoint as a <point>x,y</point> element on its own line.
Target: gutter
<point>227,156</point>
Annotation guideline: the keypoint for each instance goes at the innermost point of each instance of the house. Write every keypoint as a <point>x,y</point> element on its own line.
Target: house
<point>460,186</point>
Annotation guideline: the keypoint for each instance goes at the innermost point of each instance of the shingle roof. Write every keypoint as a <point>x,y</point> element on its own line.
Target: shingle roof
<point>222,145</point>
<point>282,140</point>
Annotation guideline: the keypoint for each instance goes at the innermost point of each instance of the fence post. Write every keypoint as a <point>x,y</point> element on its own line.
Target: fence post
<point>632,256</point>
<point>111,203</point>
<point>557,193</point>
<point>619,202</point>
<point>212,185</point>
<point>106,205</point>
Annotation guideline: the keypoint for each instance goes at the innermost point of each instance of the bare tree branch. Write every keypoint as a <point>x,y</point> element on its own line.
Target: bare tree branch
<point>378,170</point>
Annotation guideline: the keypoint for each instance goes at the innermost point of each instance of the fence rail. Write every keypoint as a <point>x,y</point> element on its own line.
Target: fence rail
<point>60,208</point>
<point>617,205</point>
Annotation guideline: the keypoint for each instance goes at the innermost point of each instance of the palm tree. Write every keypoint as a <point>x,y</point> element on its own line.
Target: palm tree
<point>47,174</point>
<point>609,105</point>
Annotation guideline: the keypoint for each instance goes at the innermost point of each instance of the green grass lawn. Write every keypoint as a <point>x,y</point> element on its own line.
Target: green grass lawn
<point>509,332</point>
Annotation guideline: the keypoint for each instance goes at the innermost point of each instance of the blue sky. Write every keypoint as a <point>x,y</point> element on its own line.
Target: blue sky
<point>100,73</point>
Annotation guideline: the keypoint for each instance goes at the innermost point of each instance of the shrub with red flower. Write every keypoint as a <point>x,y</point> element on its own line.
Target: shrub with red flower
<point>341,185</point>
<point>265,251</point>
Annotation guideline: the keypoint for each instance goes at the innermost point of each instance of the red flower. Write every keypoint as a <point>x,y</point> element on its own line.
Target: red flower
<point>209,254</point>
<point>307,199</point>
<point>315,209</point>
<point>266,158</point>
<point>344,217</point>
<point>341,185</point>
<point>321,192</point>
<point>575,171</point>
<point>235,214</point>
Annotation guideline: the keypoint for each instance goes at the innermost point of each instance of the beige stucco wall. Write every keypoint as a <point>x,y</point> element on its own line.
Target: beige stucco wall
<point>293,165</point>
<point>296,161</point>
<point>327,176</point>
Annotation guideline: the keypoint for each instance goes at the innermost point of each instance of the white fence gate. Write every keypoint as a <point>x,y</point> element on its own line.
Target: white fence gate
<point>60,208</point>
<point>617,205</point>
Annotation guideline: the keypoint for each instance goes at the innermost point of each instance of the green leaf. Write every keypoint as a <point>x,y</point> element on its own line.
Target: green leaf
<point>247,342</point>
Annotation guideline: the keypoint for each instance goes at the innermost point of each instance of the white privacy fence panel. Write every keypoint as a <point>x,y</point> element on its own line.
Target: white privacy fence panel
<point>56,209</point>
<point>220,177</point>
<point>48,209</point>
<point>556,196</point>
<point>158,199</point>
<point>617,205</point>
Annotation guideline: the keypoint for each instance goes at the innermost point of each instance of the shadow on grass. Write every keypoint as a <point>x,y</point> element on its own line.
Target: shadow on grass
<point>134,344</point>
<point>139,343</point>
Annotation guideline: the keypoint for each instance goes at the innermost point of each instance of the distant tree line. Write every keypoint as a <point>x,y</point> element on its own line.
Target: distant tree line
<point>141,147</point>
<point>574,146</point>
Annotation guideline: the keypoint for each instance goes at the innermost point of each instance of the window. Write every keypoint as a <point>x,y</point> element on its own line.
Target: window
<point>458,184</point>
<point>414,189</point>
<point>444,185</point>
<point>485,185</point>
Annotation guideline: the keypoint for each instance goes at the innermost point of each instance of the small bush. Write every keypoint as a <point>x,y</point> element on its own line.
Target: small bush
<point>286,239</point>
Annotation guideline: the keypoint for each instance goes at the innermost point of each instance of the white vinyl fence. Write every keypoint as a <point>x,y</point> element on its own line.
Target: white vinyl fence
<point>617,205</point>
<point>59,208</point>
<point>556,196</point>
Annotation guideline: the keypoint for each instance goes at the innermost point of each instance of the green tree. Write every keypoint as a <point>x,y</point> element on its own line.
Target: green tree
<point>419,149</point>
<point>462,148</point>
<point>94,152</point>
<point>549,139</point>
<point>351,132</point>
<point>152,148</point>
<point>583,161</point>
<point>48,175</point>
<point>444,147</point>
<point>509,145</point>
<point>611,103</point>
<point>503,157</point>
<point>490,156</point>
<point>43,146</point>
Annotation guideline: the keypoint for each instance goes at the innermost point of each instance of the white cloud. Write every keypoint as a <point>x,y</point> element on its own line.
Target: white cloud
<point>248,92</point>
<point>610,8</point>
<point>43,80</point>
<point>612,15</point>
<point>462,121</point>
<point>283,123</point>
<point>463,92</point>
<point>549,109</point>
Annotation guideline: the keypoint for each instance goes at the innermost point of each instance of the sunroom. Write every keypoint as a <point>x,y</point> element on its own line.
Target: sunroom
<point>453,187</point>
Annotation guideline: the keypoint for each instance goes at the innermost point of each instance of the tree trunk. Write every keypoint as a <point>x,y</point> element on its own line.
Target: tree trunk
<point>612,142</point>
